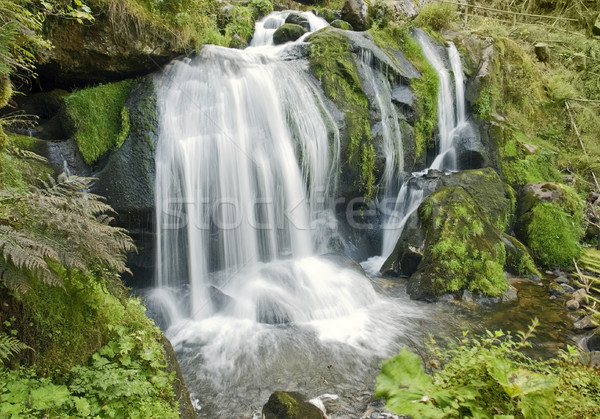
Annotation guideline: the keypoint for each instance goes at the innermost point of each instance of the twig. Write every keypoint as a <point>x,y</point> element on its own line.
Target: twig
<point>575,126</point>
<point>576,99</point>
<point>513,13</point>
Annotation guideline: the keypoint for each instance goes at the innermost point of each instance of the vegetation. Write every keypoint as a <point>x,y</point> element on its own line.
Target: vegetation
<point>333,64</point>
<point>99,118</point>
<point>436,16</point>
<point>489,376</point>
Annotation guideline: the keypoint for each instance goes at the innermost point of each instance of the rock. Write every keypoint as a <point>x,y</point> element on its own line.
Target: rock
<point>593,342</point>
<point>596,27</point>
<point>585,323</point>
<point>535,278</point>
<point>355,12</point>
<point>99,52</point>
<point>182,394</point>
<point>288,32</point>
<point>579,295</point>
<point>290,405</point>
<point>297,19</point>
<point>532,193</point>
<point>572,305</point>
<point>594,358</point>
<point>518,260</point>
<point>561,280</point>
<point>406,8</point>
<point>567,288</point>
<point>556,289</point>
<point>403,95</point>
<point>341,24</point>
<point>126,178</point>
<point>542,51</point>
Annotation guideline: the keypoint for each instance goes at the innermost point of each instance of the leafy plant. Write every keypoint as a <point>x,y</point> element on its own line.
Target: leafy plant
<point>488,376</point>
<point>38,232</point>
<point>9,346</point>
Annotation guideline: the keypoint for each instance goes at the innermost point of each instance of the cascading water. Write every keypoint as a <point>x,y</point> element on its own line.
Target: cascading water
<point>246,172</point>
<point>452,126</point>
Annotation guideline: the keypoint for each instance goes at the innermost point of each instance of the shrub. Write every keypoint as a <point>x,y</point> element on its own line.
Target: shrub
<point>436,16</point>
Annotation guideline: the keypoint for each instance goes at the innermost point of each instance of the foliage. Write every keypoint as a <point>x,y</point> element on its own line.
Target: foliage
<point>125,377</point>
<point>553,235</point>
<point>9,346</point>
<point>261,7</point>
<point>538,167</point>
<point>436,16</point>
<point>334,65</point>
<point>488,376</point>
<point>99,117</point>
<point>37,232</point>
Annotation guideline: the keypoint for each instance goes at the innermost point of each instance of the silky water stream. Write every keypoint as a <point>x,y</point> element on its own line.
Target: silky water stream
<point>246,171</point>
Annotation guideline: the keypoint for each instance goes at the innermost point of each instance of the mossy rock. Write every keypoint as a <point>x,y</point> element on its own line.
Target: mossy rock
<point>518,260</point>
<point>341,24</point>
<point>550,222</point>
<point>463,250</point>
<point>297,19</point>
<point>290,405</point>
<point>288,32</point>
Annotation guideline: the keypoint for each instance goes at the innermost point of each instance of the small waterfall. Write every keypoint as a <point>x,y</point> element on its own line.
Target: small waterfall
<point>452,124</point>
<point>388,127</point>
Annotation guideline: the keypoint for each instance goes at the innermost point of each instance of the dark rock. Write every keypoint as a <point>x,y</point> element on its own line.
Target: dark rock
<point>342,24</point>
<point>535,278</point>
<point>596,27</point>
<point>288,32</point>
<point>297,19</point>
<point>518,259</point>
<point>585,323</point>
<point>594,358</point>
<point>567,288</point>
<point>572,305</point>
<point>290,405</point>
<point>355,12</point>
<point>182,394</point>
<point>542,51</point>
<point>593,342</point>
<point>556,289</point>
<point>532,193</point>
<point>99,52</point>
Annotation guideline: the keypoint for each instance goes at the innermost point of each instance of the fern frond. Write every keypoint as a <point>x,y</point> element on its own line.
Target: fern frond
<point>10,346</point>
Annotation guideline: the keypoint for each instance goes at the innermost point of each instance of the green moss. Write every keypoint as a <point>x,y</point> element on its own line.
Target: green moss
<point>518,259</point>
<point>463,249</point>
<point>240,26</point>
<point>334,65</point>
<point>553,235</point>
<point>538,167</point>
<point>98,118</point>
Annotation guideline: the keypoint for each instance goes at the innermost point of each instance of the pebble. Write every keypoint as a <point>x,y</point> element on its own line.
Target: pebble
<point>535,278</point>
<point>573,305</point>
<point>562,280</point>
<point>579,295</point>
<point>585,323</point>
<point>567,288</point>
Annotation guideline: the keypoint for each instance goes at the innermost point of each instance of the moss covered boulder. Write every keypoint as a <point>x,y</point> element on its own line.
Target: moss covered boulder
<point>550,222</point>
<point>458,234</point>
<point>288,32</point>
<point>290,405</point>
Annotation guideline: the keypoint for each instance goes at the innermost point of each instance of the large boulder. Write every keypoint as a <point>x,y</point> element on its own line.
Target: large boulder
<point>454,241</point>
<point>356,13</point>
<point>290,405</point>
<point>105,50</point>
<point>127,178</point>
<point>550,222</point>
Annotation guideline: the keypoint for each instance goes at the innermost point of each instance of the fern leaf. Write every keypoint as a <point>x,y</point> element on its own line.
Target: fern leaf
<point>10,346</point>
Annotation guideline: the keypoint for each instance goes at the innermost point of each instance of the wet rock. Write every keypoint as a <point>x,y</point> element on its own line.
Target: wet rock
<point>535,278</point>
<point>403,95</point>
<point>567,288</point>
<point>290,405</point>
<point>593,342</point>
<point>572,305</point>
<point>556,290</point>
<point>297,19</point>
<point>585,323</point>
<point>561,280</point>
<point>518,259</point>
<point>341,24</point>
<point>288,32</point>
<point>355,12</point>
<point>182,394</point>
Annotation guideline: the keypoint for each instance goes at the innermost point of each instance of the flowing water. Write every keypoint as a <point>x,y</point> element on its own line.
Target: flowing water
<point>452,126</point>
<point>246,174</point>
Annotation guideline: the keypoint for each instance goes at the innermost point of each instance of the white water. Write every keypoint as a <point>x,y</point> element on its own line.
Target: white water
<point>246,171</point>
<point>451,123</point>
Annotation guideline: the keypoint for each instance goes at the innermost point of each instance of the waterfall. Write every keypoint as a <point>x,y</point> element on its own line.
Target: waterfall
<point>452,124</point>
